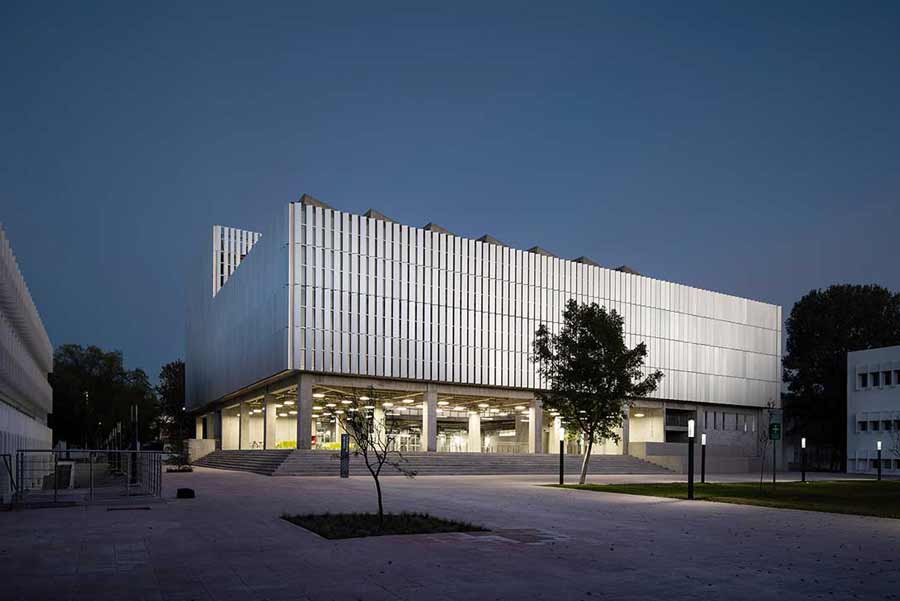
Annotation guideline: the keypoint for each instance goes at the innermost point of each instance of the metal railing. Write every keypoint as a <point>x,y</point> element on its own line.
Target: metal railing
<point>84,476</point>
<point>7,475</point>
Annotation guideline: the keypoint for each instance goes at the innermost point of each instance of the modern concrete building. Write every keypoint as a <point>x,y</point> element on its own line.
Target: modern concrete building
<point>325,302</point>
<point>873,410</point>
<point>26,359</point>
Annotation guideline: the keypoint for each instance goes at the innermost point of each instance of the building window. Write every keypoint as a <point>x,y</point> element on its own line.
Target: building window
<point>874,426</point>
<point>863,380</point>
<point>886,425</point>
<point>875,378</point>
<point>886,378</point>
<point>897,376</point>
<point>706,420</point>
<point>863,426</point>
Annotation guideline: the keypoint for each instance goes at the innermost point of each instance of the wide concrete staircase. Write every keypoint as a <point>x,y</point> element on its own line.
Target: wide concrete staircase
<point>259,461</point>
<point>327,463</point>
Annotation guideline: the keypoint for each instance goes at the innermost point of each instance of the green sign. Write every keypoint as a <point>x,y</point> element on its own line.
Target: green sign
<point>775,431</point>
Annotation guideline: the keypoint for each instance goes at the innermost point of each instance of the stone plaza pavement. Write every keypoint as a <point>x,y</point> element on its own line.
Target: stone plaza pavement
<point>229,543</point>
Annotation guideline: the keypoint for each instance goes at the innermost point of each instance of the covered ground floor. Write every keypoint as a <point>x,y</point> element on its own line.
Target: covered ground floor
<point>302,411</point>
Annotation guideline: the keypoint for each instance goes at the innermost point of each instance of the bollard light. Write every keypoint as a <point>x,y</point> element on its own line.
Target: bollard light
<point>703,439</point>
<point>803,443</point>
<point>878,446</point>
<point>691,429</point>
<point>703,458</point>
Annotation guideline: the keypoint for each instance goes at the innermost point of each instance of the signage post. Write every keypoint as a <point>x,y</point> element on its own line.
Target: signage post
<point>775,419</point>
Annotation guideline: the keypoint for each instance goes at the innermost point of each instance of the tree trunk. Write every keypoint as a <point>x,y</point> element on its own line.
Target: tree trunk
<point>584,462</point>
<point>380,505</point>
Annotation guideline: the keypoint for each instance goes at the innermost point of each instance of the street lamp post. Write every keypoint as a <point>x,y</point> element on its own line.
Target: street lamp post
<point>878,447</point>
<point>690,459</point>
<point>703,458</point>
<point>803,459</point>
<point>562,459</point>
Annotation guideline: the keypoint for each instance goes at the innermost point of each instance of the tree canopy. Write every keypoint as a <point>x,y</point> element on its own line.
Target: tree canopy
<point>822,328</point>
<point>590,373</point>
<point>92,391</point>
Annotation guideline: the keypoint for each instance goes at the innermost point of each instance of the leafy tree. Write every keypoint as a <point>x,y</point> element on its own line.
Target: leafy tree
<point>175,423</point>
<point>373,438</point>
<point>92,392</point>
<point>823,327</point>
<point>592,376</point>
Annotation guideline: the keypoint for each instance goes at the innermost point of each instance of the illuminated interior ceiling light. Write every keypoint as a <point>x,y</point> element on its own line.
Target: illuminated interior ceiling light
<point>519,407</point>
<point>294,412</point>
<point>368,406</point>
<point>282,415</point>
<point>289,402</point>
<point>495,410</point>
<point>639,415</point>
<point>318,395</point>
<point>278,405</point>
<point>408,401</point>
<point>352,409</point>
<point>483,405</point>
<point>317,407</point>
<point>443,403</point>
<point>330,405</point>
<point>346,402</point>
<point>388,404</point>
<point>364,398</point>
<point>459,408</point>
<point>339,412</point>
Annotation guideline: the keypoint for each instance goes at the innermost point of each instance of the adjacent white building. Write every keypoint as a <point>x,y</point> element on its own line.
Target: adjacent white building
<point>324,301</point>
<point>26,360</point>
<point>873,410</point>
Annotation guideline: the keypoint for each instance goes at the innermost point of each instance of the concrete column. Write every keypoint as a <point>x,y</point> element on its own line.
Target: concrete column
<point>535,427</point>
<point>304,412</point>
<point>216,428</point>
<point>379,426</point>
<point>429,420</point>
<point>269,417</point>
<point>554,435</point>
<point>474,432</point>
<point>244,427</point>
<point>198,427</point>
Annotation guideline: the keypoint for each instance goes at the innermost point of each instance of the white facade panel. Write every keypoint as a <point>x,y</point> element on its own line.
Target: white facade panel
<point>873,410</point>
<point>405,303</point>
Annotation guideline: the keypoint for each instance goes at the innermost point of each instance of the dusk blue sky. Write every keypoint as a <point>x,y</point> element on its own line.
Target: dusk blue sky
<point>748,148</point>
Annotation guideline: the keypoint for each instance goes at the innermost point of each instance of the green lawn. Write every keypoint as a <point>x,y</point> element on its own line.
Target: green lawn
<point>860,497</point>
<point>354,525</point>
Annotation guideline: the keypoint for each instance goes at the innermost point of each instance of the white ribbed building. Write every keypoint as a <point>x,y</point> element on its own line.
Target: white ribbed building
<point>325,301</point>
<point>26,360</point>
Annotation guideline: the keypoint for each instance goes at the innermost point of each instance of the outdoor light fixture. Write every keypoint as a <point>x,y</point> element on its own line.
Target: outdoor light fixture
<point>459,408</point>
<point>639,415</point>
<point>803,459</point>
<point>483,405</point>
<point>690,433</point>
<point>878,446</point>
<point>317,407</point>
<point>443,403</point>
<point>282,415</point>
<point>803,443</point>
<point>293,412</point>
<point>346,402</point>
<point>703,439</point>
<point>408,401</point>
<point>289,402</point>
<point>519,407</point>
<point>364,398</point>
<point>388,404</point>
<point>368,406</point>
<point>703,458</point>
<point>330,405</point>
<point>318,395</point>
